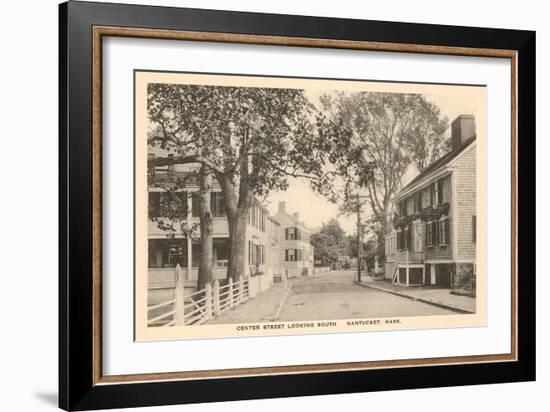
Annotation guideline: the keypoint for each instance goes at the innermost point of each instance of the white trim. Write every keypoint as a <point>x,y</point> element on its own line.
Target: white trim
<point>437,261</point>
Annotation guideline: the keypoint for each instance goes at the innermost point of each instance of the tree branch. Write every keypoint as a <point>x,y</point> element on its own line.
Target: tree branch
<point>164,161</point>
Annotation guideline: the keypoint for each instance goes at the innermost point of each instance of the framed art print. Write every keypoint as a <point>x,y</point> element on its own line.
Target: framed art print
<point>259,205</point>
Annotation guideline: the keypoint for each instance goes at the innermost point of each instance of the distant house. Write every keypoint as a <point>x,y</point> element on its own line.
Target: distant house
<point>297,253</point>
<point>432,240</point>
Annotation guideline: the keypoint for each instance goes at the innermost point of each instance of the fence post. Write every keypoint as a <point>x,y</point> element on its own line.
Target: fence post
<point>208,301</point>
<point>230,292</point>
<point>216,297</point>
<point>179,295</point>
<point>241,289</point>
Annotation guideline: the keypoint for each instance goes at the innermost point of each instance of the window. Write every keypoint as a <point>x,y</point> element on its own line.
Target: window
<point>431,233</point>
<point>402,208</point>
<point>474,228</point>
<point>221,251</point>
<point>398,238</point>
<point>154,255</point>
<point>217,204</point>
<point>290,255</point>
<point>154,204</point>
<point>293,255</point>
<point>436,193</point>
<point>290,233</point>
<point>258,255</point>
<point>262,220</point>
<point>428,234</point>
<point>444,231</point>
<point>418,201</point>
<point>175,254</point>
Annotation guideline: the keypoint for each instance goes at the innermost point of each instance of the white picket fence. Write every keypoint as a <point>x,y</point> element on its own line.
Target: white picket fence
<point>201,306</point>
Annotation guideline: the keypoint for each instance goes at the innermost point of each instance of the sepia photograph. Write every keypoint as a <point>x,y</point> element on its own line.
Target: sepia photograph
<point>282,206</point>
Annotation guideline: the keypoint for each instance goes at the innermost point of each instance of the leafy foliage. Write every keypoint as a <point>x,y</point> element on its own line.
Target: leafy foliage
<point>329,242</point>
<point>372,139</point>
<point>170,214</point>
<point>263,130</point>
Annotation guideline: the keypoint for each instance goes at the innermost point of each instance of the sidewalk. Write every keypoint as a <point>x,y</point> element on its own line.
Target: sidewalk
<point>264,307</point>
<point>433,296</point>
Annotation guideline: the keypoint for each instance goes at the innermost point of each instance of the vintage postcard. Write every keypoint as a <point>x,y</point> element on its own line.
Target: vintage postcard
<point>281,206</point>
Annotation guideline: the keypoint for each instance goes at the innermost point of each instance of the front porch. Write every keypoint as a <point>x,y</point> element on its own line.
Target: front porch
<point>409,268</point>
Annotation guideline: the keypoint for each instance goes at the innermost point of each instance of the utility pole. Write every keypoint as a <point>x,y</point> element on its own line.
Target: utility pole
<point>359,240</point>
<point>359,236</point>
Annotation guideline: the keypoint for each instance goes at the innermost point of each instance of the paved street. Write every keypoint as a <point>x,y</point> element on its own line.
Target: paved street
<point>331,295</point>
<point>334,295</point>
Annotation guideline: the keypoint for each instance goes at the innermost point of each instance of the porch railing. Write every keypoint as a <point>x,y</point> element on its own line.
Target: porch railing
<point>198,307</point>
<point>409,257</point>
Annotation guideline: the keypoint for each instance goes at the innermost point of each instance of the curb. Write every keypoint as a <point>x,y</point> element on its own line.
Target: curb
<point>416,299</point>
<point>281,303</point>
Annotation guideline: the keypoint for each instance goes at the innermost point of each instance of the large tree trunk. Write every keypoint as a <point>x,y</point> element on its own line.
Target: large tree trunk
<point>237,207</point>
<point>237,241</point>
<point>206,252</point>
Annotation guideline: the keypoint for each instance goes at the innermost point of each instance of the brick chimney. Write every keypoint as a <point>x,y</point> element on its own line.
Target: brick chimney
<point>282,207</point>
<point>462,128</point>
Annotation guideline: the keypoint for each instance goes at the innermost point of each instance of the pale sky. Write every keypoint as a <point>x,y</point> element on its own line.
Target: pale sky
<point>315,209</point>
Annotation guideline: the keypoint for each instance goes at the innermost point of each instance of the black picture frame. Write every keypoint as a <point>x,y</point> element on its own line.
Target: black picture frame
<point>78,389</point>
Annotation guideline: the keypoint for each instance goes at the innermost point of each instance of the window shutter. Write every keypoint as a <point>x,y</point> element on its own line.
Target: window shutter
<point>398,240</point>
<point>474,228</point>
<point>434,233</point>
<point>440,191</point>
<point>447,232</point>
<point>154,204</point>
<point>286,233</point>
